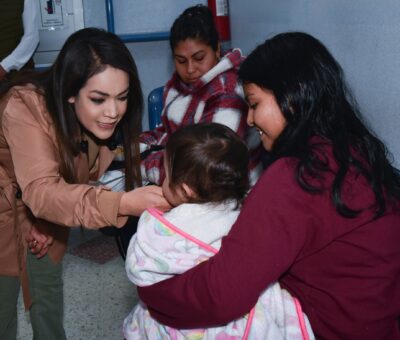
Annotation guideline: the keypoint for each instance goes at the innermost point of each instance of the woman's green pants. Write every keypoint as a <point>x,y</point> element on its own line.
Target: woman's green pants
<point>46,311</point>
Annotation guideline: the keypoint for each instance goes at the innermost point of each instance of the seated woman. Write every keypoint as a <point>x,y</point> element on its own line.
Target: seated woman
<point>204,88</point>
<point>323,220</point>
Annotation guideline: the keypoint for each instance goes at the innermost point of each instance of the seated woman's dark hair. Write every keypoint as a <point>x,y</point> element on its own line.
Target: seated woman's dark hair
<point>310,89</point>
<point>211,159</point>
<point>196,23</point>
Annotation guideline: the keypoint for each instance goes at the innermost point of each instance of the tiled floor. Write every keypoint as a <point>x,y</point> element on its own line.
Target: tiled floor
<point>97,296</point>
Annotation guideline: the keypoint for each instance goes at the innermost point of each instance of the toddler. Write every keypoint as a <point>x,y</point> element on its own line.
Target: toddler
<point>206,167</point>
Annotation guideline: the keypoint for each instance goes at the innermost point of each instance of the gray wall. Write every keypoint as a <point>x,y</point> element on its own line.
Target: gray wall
<point>363,35</point>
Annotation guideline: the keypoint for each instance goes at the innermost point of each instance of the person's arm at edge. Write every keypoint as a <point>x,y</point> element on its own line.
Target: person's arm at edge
<point>29,41</point>
<point>257,251</point>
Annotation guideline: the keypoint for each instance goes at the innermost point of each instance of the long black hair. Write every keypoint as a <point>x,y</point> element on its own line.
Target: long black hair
<point>85,53</point>
<point>310,89</point>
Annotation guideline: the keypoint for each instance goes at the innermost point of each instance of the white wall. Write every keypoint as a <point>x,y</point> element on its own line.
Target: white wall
<point>363,35</point>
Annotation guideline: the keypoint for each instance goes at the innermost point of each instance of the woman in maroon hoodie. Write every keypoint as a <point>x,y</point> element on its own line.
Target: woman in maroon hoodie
<point>324,218</point>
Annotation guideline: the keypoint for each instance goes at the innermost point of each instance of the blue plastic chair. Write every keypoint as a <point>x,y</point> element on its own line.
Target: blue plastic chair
<point>155,106</point>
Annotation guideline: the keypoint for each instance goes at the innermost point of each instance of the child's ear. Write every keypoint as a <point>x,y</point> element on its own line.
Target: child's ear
<point>188,191</point>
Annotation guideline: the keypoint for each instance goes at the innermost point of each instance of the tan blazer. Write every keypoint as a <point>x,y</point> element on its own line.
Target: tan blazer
<point>28,161</point>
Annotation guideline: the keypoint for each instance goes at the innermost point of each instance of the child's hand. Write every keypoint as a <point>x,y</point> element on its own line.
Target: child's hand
<point>136,201</point>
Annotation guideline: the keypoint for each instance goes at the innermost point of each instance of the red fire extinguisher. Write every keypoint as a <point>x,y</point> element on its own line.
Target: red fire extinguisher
<point>220,10</point>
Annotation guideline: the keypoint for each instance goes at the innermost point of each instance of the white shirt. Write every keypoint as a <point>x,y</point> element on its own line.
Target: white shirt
<point>29,41</point>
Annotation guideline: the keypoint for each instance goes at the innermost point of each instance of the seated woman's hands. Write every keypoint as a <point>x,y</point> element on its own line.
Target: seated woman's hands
<point>136,201</point>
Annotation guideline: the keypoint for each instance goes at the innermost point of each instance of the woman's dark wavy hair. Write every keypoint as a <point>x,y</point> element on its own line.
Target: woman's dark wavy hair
<point>310,89</point>
<point>211,159</point>
<point>197,23</point>
<point>85,53</point>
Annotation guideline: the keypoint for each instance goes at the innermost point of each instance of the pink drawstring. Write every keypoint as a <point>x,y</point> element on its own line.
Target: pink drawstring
<point>159,215</point>
<point>302,323</point>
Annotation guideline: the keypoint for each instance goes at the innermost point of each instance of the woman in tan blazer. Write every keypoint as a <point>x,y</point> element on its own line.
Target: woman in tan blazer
<point>56,129</point>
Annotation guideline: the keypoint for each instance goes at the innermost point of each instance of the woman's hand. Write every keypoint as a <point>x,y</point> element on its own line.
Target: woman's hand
<point>136,201</point>
<point>38,242</point>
